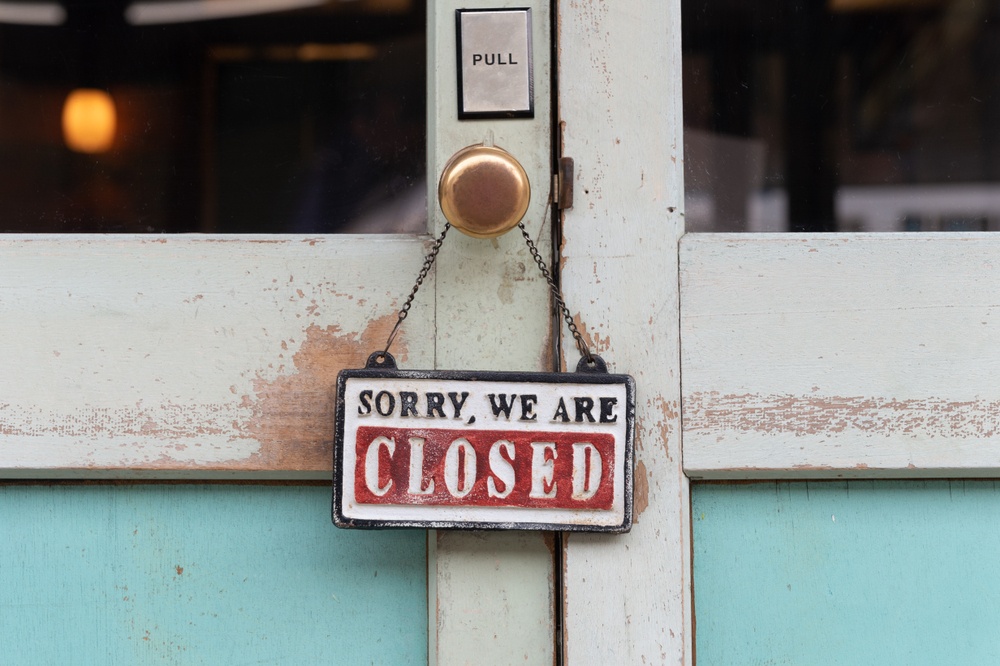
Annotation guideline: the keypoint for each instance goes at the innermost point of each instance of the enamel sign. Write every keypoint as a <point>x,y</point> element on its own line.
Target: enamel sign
<point>483,450</point>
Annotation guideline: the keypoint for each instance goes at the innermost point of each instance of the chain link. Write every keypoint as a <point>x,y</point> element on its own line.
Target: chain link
<point>428,262</point>
<point>581,344</point>
<point>557,295</point>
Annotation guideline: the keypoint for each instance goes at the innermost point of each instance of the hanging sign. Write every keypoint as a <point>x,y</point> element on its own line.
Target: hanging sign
<point>483,450</point>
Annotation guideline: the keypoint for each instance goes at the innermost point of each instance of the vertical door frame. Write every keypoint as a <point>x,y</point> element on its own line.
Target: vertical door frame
<point>490,595</point>
<point>627,598</point>
<point>787,356</point>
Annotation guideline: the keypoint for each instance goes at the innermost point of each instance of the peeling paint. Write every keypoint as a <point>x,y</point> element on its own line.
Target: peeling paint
<point>147,369</point>
<point>513,272</point>
<point>598,343</point>
<point>640,498</point>
<point>667,415</point>
<point>169,420</point>
<point>549,538</point>
<point>287,424</point>
<point>810,415</point>
<point>292,415</point>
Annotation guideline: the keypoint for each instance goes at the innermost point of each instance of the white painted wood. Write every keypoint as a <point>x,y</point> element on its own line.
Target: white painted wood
<point>179,356</point>
<point>495,602</point>
<point>627,598</point>
<point>491,594</point>
<point>841,355</point>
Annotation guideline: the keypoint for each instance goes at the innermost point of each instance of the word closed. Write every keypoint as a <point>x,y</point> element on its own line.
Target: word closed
<point>484,468</point>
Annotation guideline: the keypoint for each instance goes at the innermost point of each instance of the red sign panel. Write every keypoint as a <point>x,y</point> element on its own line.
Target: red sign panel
<point>555,470</point>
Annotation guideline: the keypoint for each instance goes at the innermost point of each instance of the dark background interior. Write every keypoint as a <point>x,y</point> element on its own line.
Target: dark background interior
<point>254,124</point>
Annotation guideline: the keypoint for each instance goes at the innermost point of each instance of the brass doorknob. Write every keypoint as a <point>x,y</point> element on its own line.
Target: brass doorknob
<point>483,191</point>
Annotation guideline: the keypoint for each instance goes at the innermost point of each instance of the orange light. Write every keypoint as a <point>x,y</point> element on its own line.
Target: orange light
<point>89,121</point>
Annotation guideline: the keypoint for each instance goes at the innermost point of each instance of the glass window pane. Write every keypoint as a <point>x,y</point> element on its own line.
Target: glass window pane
<point>844,115</point>
<point>246,116</point>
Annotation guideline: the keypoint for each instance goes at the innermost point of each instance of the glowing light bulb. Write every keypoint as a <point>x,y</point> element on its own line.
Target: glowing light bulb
<point>89,121</point>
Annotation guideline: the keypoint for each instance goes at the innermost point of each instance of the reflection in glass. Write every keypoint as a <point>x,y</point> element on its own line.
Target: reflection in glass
<point>844,115</point>
<point>221,116</point>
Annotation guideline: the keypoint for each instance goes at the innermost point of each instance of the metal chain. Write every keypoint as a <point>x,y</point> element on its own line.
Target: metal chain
<point>428,262</point>
<point>553,287</point>
<point>557,295</point>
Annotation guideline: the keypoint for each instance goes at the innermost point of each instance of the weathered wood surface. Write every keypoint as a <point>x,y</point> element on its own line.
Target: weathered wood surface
<point>175,356</point>
<point>841,356</point>
<point>627,598</point>
<point>491,598</point>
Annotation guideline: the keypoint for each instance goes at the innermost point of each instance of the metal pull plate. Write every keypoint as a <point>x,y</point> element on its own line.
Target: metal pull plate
<point>495,78</point>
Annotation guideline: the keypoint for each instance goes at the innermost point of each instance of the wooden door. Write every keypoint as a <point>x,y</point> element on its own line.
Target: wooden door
<point>205,366</point>
<point>757,357</point>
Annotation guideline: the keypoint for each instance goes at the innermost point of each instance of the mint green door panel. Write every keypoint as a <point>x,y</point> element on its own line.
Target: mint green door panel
<point>221,575</point>
<point>855,572</point>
